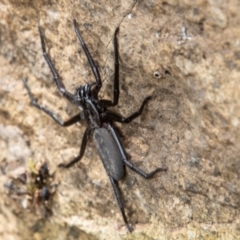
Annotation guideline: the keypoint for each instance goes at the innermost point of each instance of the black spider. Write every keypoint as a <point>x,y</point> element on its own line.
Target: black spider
<point>99,119</point>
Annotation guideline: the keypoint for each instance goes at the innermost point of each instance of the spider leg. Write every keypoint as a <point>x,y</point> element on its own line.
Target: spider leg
<point>125,160</point>
<point>59,84</point>
<point>90,59</point>
<point>114,102</point>
<point>81,153</point>
<point>34,102</point>
<point>141,172</point>
<point>116,118</point>
<point>120,202</point>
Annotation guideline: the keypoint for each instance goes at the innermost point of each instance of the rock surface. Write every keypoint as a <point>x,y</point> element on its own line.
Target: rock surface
<point>186,54</point>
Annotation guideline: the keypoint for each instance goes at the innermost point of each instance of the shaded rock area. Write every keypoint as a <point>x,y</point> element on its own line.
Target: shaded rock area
<point>186,55</point>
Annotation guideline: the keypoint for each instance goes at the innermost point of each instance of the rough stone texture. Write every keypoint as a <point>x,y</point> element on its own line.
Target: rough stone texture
<point>184,53</point>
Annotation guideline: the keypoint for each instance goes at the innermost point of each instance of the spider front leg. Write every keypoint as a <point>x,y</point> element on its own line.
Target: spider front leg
<point>90,60</point>
<point>59,84</point>
<point>114,102</point>
<point>34,102</point>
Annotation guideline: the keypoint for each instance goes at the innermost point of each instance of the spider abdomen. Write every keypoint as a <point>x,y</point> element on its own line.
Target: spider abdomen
<point>109,153</point>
